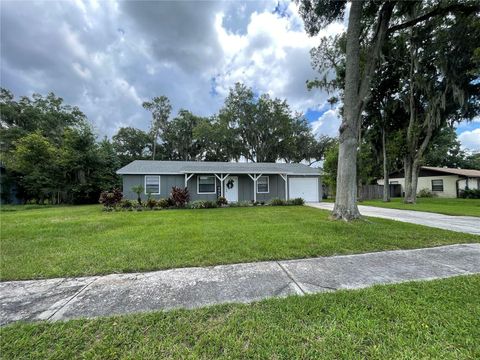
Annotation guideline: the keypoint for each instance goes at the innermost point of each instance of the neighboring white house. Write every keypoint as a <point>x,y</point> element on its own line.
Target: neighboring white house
<point>444,182</point>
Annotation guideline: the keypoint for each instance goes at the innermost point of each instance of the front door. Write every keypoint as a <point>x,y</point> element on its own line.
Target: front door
<point>231,188</point>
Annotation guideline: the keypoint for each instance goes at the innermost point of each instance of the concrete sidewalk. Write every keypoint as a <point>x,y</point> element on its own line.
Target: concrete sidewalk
<point>69,298</point>
<point>466,224</point>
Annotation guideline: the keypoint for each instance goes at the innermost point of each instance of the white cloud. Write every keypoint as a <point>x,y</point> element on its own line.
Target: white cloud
<point>272,57</point>
<point>327,124</point>
<point>108,56</point>
<point>470,139</point>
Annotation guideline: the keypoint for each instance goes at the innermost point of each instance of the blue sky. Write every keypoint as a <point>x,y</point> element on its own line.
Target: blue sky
<point>107,57</point>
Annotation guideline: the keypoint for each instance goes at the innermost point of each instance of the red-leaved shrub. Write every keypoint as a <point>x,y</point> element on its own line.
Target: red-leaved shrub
<point>110,199</point>
<point>179,196</point>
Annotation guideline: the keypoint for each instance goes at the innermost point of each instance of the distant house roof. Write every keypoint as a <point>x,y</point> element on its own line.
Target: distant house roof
<point>208,167</point>
<point>461,172</point>
<point>435,171</point>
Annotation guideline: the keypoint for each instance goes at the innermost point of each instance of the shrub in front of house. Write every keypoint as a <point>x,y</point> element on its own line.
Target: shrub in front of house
<point>165,203</point>
<point>296,201</point>
<point>110,199</point>
<point>197,204</point>
<point>179,196</point>
<point>127,204</point>
<point>221,201</point>
<point>426,193</point>
<point>240,204</point>
<point>178,199</point>
<point>281,202</point>
<point>202,204</point>
<point>471,194</point>
<point>210,204</point>
<point>277,202</point>
<point>151,204</point>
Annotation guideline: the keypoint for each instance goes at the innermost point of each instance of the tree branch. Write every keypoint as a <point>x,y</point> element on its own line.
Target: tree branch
<point>436,12</point>
<point>374,53</point>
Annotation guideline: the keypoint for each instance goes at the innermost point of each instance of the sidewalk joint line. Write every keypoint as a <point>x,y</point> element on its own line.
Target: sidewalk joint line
<point>71,298</point>
<point>291,277</point>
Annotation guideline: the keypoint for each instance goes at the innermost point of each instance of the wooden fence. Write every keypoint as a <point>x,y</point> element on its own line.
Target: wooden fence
<point>371,192</point>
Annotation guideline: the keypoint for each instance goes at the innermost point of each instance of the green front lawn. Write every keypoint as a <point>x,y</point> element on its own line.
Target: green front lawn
<point>83,240</point>
<point>466,207</point>
<point>424,320</point>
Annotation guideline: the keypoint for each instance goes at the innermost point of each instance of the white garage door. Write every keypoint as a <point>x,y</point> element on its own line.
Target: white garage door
<point>305,188</point>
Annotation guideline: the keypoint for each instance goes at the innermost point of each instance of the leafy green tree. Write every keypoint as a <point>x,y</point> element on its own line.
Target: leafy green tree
<point>444,150</point>
<point>36,158</point>
<point>472,161</point>
<point>216,140</point>
<point>68,166</point>
<point>160,108</point>
<point>370,24</point>
<point>83,166</point>
<point>179,142</point>
<point>105,174</point>
<point>330,165</point>
<point>263,129</point>
<point>131,144</point>
<point>443,85</point>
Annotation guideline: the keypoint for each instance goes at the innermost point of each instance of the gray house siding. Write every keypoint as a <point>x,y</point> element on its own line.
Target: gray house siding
<point>192,189</point>
<point>166,184</point>
<point>245,187</point>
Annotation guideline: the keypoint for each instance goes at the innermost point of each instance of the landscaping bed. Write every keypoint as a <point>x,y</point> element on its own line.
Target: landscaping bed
<point>179,199</point>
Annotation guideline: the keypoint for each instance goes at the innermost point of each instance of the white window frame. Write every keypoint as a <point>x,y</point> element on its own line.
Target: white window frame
<point>198,185</point>
<point>268,185</point>
<point>145,184</point>
<point>443,185</point>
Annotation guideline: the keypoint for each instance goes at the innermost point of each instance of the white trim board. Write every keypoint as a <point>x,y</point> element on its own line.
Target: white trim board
<point>206,193</point>
<point>268,185</point>
<point>145,185</point>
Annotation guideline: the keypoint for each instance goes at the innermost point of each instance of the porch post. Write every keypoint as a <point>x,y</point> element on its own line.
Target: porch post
<point>285,178</point>
<point>187,177</point>
<point>222,178</point>
<point>254,178</point>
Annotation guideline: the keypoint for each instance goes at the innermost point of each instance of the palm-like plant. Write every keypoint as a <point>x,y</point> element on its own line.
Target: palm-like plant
<point>138,189</point>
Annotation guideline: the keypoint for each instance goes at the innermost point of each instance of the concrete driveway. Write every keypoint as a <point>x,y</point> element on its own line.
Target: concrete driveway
<point>465,224</point>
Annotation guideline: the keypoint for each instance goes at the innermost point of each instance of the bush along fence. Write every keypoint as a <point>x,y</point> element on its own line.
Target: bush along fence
<point>179,199</point>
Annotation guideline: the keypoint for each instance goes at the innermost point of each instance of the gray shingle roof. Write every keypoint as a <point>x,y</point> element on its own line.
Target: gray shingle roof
<point>183,167</point>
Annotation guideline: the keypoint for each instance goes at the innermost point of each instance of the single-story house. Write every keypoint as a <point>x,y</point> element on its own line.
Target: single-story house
<point>444,182</point>
<point>207,180</point>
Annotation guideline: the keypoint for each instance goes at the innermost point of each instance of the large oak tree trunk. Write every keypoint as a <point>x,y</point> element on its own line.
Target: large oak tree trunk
<point>355,96</point>
<point>410,191</point>
<point>386,178</point>
<point>407,165</point>
<point>345,201</point>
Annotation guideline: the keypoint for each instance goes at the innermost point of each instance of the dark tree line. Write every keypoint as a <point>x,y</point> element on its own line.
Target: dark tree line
<point>248,127</point>
<point>49,151</point>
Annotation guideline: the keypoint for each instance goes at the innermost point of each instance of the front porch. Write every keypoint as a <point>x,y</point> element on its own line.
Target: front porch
<point>237,186</point>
